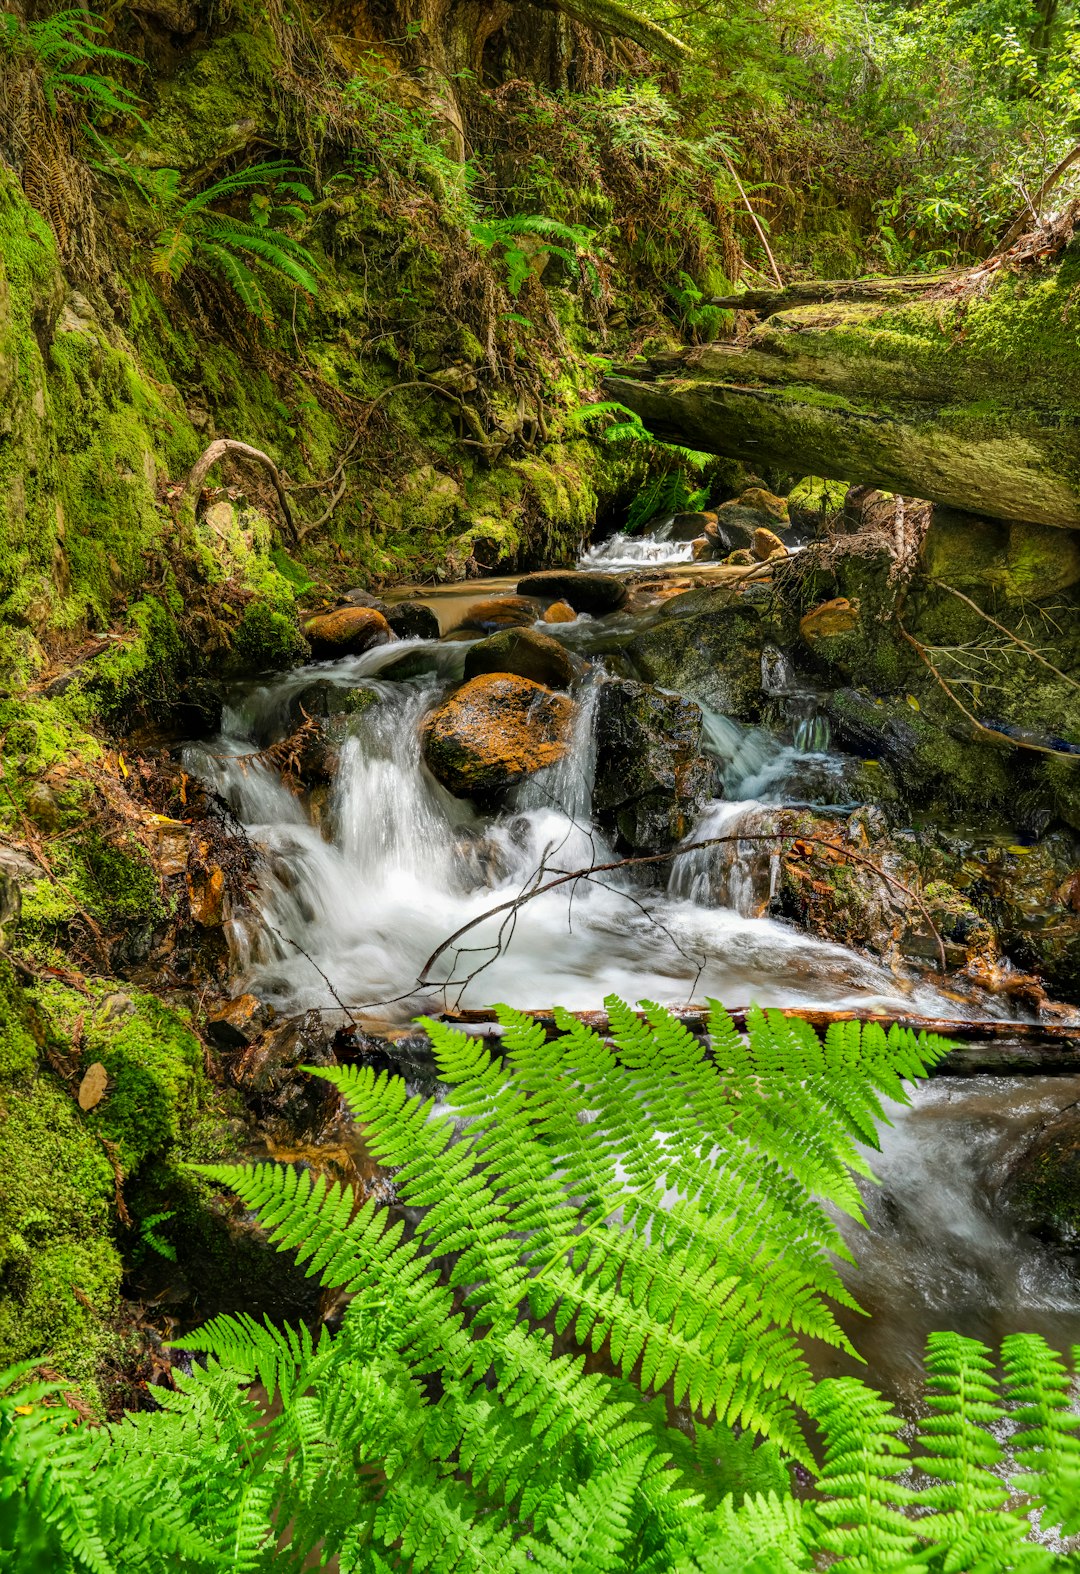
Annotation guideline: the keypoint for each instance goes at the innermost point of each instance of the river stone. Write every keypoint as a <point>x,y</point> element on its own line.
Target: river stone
<point>1018,561</point>
<point>701,598</point>
<point>1043,1184</point>
<point>494,731</point>
<point>413,620</point>
<point>362,598</point>
<point>687,527</point>
<point>525,653</point>
<point>714,658</point>
<point>347,631</point>
<point>651,778</point>
<point>702,549</point>
<point>559,612</point>
<point>499,612</point>
<point>765,544</point>
<point>584,590</point>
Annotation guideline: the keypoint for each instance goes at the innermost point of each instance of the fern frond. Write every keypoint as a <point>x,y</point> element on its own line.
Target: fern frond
<point>861,1518</point>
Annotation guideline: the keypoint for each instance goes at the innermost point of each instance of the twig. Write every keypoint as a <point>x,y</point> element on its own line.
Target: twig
<point>288,940</point>
<point>1023,644</point>
<point>753,215</point>
<point>677,852</point>
<point>980,727</point>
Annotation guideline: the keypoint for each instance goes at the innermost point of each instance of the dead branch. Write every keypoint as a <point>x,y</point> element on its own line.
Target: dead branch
<point>756,221</point>
<point>980,727</point>
<point>1023,644</point>
<point>228,445</point>
<point>1034,210</point>
<point>518,901</point>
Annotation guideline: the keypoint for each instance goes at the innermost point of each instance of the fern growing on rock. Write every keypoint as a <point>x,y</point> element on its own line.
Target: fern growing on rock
<point>595,1239</point>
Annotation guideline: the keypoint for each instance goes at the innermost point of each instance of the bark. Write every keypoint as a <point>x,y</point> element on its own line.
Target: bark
<point>1000,1048</point>
<point>964,390</point>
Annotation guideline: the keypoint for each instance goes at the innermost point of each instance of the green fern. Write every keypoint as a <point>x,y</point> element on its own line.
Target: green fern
<point>568,242</point>
<point>62,46</point>
<point>663,1207</point>
<point>247,254</point>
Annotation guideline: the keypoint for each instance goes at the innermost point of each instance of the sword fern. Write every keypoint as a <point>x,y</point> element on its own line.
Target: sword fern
<point>594,1238</point>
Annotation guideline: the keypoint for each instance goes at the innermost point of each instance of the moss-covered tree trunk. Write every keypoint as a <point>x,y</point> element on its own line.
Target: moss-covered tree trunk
<point>966,392</point>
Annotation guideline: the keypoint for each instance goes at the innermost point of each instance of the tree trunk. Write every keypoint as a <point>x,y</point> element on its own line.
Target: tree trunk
<point>963,390</point>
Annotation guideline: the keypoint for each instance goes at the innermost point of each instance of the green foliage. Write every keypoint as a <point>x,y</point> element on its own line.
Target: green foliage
<point>197,229</point>
<point>438,1429</point>
<point>150,1234</point>
<point>61,46</point>
<point>548,236</point>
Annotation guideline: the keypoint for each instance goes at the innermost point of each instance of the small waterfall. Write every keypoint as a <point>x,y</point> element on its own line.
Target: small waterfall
<point>777,672</point>
<point>939,1251</point>
<point>740,874</point>
<point>653,551</point>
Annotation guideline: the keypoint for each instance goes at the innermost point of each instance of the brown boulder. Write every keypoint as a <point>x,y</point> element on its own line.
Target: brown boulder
<point>702,549</point>
<point>524,653</point>
<point>494,731</point>
<point>585,590</point>
<point>828,620</point>
<point>765,544</point>
<point>500,612</point>
<point>347,631</point>
<point>237,1022</point>
<point>559,612</point>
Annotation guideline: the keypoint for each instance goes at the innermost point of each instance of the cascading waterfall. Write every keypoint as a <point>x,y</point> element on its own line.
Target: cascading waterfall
<point>651,551</point>
<point>351,910</point>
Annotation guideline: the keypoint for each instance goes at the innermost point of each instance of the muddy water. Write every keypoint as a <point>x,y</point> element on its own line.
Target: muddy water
<point>352,906</point>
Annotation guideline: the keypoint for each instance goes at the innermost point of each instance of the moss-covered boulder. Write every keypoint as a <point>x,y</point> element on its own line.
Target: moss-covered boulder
<point>494,731</point>
<point>713,658</point>
<point>934,760</point>
<point>525,653</point>
<point>651,778</point>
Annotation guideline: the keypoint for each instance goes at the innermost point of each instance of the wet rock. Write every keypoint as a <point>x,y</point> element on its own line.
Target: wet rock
<point>742,557</point>
<point>269,1071</point>
<point>206,892</point>
<point>363,598</point>
<point>687,527</point>
<point>525,653</point>
<point>714,658</point>
<point>559,612</point>
<point>651,778</point>
<point>755,509</point>
<point>702,549</point>
<point>500,612</point>
<point>828,620</point>
<point>494,731</point>
<point>412,620</point>
<point>765,544</point>
<point>584,590</point>
<point>1043,1184</point>
<point>347,631</point>
<point>1029,893</point>
<point>237,1023</point>
<point>447,659</point>
<point>930,764</point>
<point>700,598</point>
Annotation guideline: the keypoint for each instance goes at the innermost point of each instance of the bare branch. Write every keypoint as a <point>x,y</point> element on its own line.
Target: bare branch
<point>228,445</point>
<point>676,852</point>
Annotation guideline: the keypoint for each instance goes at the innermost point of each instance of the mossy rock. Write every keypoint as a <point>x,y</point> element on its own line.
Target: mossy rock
<point>651,778</point>
<point>713,658</point>
<point>525,653</point>
<point>494,731</point>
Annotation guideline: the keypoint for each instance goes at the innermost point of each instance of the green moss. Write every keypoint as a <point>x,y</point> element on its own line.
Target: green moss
<point>59,1268</point>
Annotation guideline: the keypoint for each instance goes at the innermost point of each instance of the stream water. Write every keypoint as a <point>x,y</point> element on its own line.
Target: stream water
<point>355,898</point>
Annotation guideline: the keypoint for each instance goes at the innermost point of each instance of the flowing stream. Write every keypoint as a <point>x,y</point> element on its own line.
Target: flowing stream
<point>354,900</point>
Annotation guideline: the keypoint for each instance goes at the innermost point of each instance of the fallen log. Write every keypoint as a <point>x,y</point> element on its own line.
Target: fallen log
<point>962,389</point>
<point>1008,1048</point>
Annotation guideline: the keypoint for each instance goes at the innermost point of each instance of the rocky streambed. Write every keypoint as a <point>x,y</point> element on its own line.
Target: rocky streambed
<point>763,820</point>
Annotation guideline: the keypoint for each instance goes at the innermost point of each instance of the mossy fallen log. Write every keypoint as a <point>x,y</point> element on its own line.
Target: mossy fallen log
<point>962,389</point>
